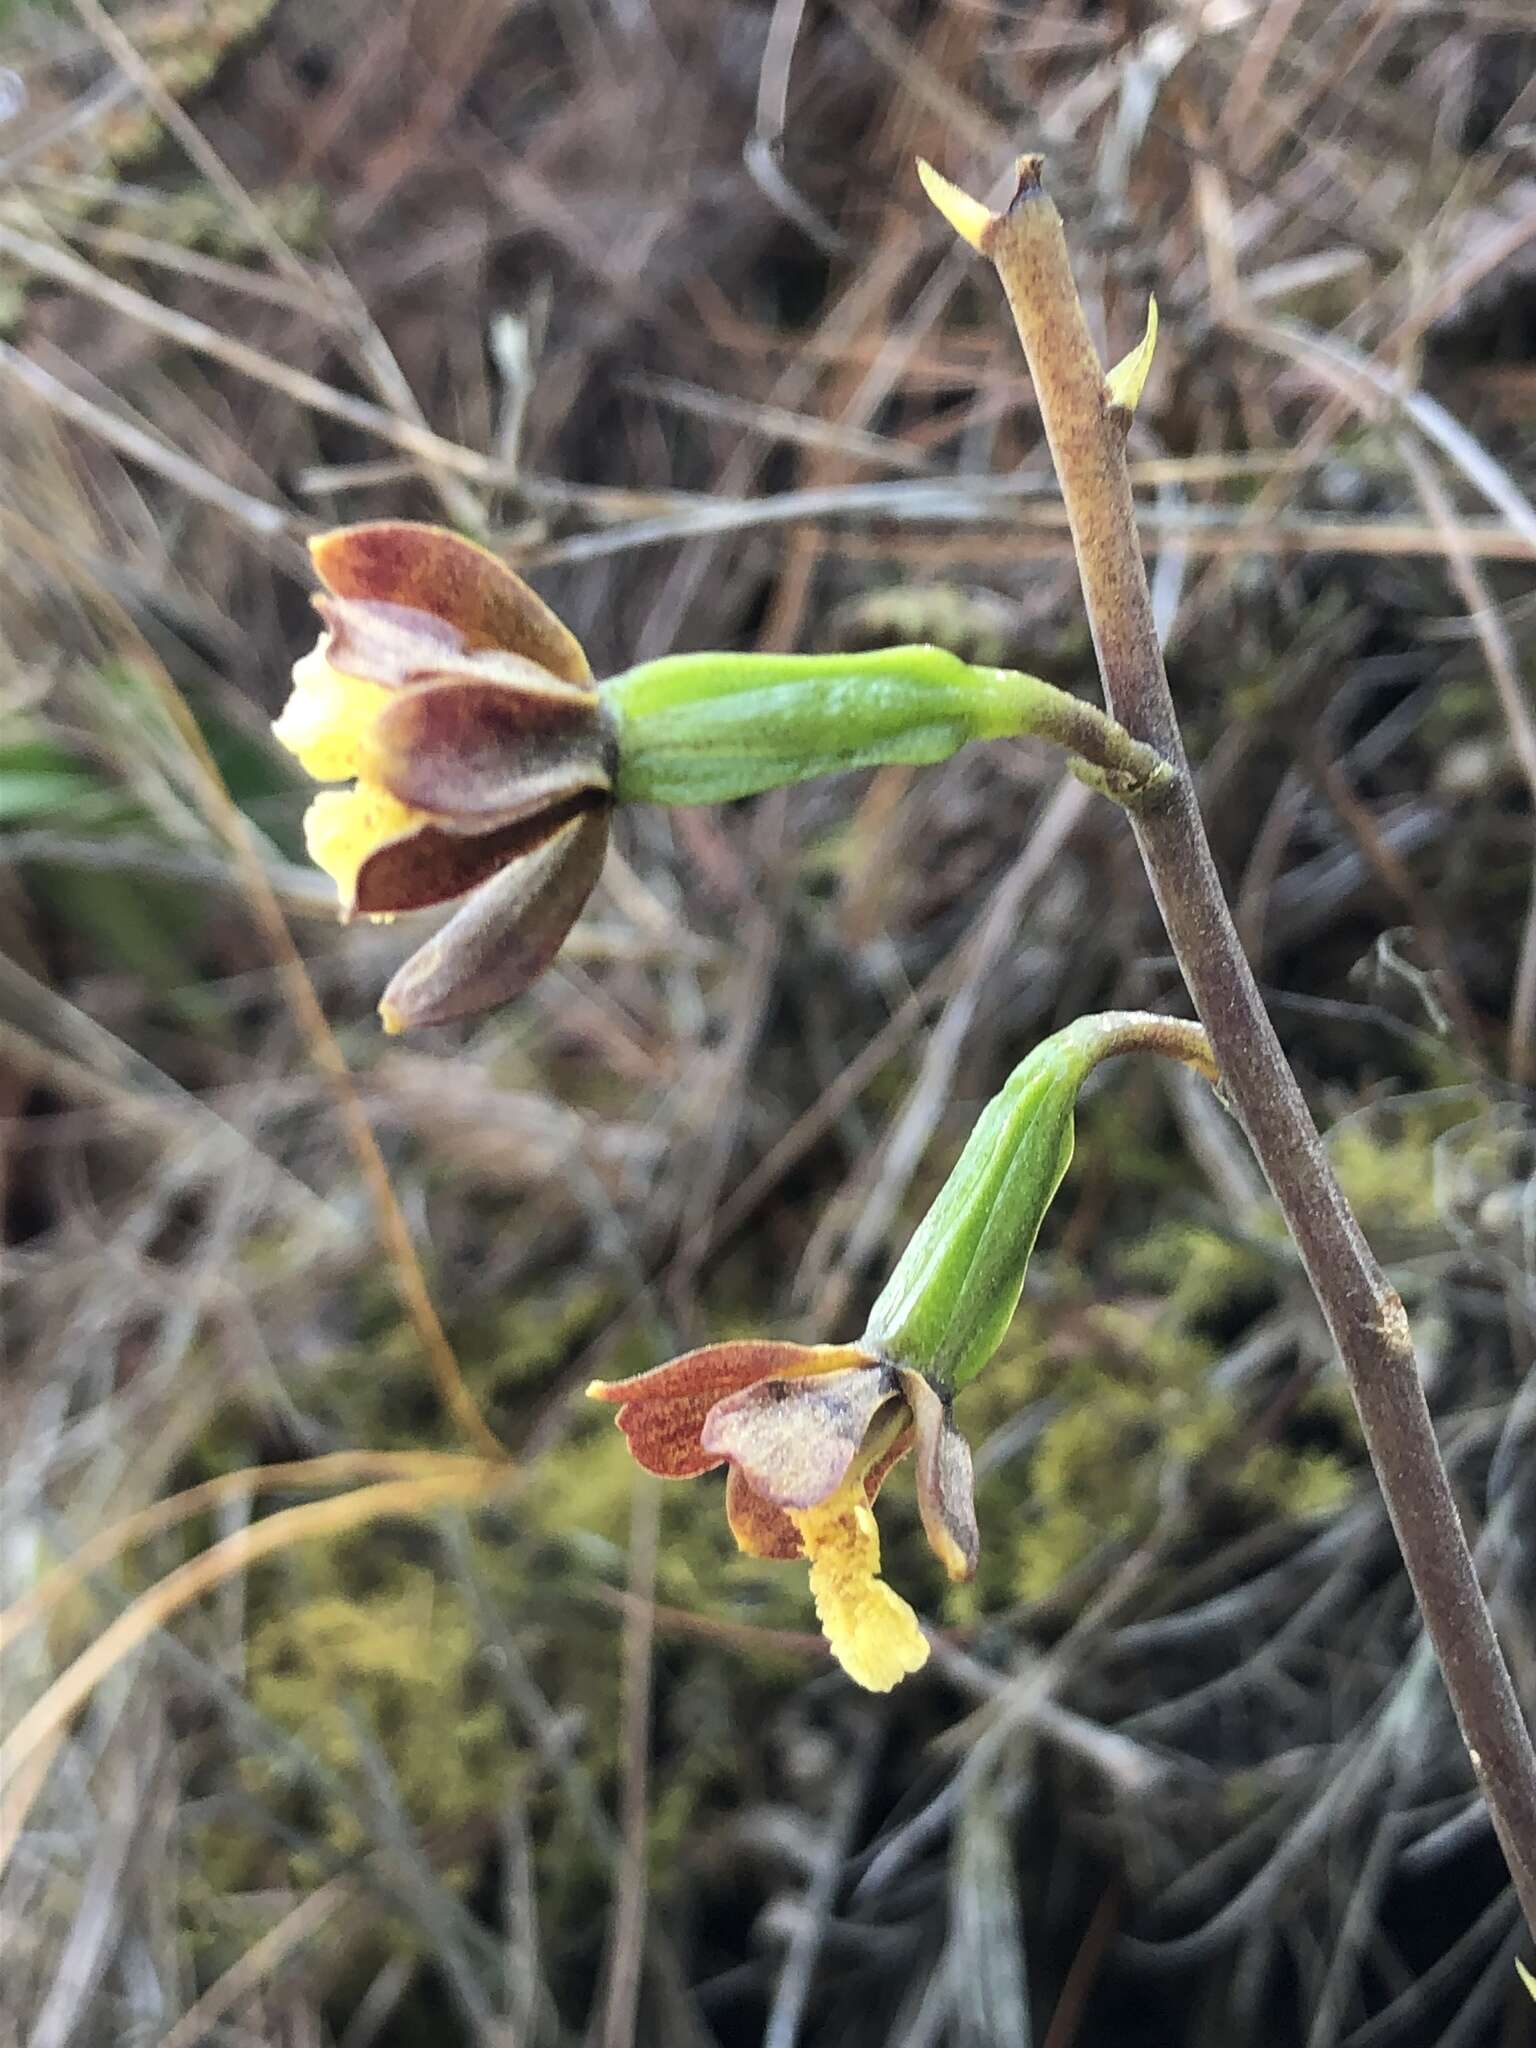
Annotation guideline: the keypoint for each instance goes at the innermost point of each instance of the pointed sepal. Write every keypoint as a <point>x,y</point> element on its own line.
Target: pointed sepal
<point>508,932</point>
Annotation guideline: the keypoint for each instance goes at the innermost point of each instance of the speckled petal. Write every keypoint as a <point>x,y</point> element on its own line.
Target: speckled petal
<point>435,571</point>
<point>945,1486</point>
<point>761,1528</point>
<point>473,751</point>
<point>796,1440</point>
<point>508,932</point>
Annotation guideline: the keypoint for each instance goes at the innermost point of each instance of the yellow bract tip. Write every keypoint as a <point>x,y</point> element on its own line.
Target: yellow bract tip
<point>1125,381</point>
<point>967,216</point>
<point>1526,1977</point>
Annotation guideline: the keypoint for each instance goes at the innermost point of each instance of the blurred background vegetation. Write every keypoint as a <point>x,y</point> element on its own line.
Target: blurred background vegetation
<point>643,292</point>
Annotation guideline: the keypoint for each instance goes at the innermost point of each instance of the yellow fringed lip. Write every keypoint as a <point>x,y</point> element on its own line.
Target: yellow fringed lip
<point>462,714</point>
<point>869,1628</point>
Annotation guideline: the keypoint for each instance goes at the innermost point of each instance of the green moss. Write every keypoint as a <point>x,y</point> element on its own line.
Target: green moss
<point>1207,1273</point>
<point>377,1386</point>
<point>1389,1175</point>
<point>1297,1482</point>
<point>400,1664</point>
<point>524,1340</point>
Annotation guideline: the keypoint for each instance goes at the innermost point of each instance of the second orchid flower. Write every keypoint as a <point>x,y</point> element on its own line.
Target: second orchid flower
<point>481,761</point>
<point>484,762</point>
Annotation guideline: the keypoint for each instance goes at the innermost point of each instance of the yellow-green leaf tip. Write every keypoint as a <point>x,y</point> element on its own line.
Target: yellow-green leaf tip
<point>967,216</point>
<point>1525,1977</point>
<point>1125,381</point>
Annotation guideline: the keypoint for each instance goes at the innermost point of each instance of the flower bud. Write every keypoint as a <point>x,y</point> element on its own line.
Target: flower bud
<point>975,223</point>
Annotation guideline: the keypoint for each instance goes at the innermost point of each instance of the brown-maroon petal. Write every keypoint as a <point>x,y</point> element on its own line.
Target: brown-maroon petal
<point>796,1439</point>
<point>506,934</point>
<point>945,1487</point>
<point>435,571</point>
<point>432,864</point>
<point>725,1368</point>
<point>475,751</point>
<point>663,1436</point>
<point>663,1410</point>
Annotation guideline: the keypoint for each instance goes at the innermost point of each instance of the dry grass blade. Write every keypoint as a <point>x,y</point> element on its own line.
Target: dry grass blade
<point>1377,393</point>
<point>204,339</point>
<point>626,1939</point>
<point>1519,716</point>
<point>271,1952</point>
<point>341,1468</point>
<point>32,1742</point>
<point>39,384</point>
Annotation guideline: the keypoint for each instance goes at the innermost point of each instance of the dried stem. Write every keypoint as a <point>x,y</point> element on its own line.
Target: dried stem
<point>1087,440</point>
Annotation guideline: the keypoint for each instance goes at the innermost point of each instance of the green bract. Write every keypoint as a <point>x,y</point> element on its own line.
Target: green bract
<point>706,728</point>
<point>945,1308</point>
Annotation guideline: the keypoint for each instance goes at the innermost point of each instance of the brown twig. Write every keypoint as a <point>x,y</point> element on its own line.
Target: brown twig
<point>1086,434</point>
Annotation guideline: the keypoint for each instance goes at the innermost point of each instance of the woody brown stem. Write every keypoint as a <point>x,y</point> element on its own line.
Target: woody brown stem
<point>1087,441</point>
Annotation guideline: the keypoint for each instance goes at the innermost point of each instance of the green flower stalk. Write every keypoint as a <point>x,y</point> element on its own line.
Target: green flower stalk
<point>484,762</point>
<point>708,728</point>
<point>945,1309</point>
